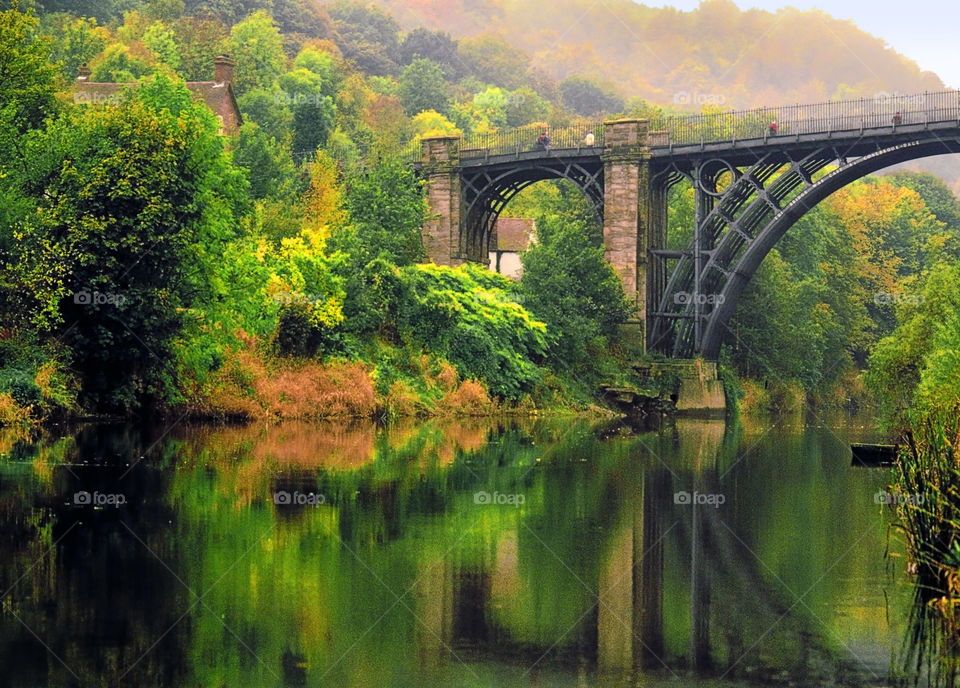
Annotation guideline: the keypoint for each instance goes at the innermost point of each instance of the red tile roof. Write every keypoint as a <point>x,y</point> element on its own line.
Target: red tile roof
<point>219,97</point>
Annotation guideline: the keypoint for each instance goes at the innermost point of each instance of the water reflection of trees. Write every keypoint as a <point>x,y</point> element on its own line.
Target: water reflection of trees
<point>400,575</point>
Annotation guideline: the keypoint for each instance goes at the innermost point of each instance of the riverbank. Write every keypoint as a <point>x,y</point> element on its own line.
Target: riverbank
<point>760,398</point>
<point>254,384</point>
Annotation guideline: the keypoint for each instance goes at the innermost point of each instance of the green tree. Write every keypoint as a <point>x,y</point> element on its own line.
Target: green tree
<point>103,11</point>
<point>313,112</point>
<point>28,80</point>
<point>935,193</point>
<point>386,210</point>
<point>899,362</point>
<point>79,40</point>
<point>367,35</point>
<point>568,284</point>
<point>435,46</point>
<point>303,17</point>
<point>586,97</point>
<point>525,106</point>
<point>493,60</point>
<point>781,330</point>
<point>229,11</point>
<point>432,123</point>
<point>28,83</point>
<point>269,109</point>
<point>134,204</point>
<point>268,165</point>
<point>422,87</point>
<point>199,41</point>
<point>160,40</point>
<point>324,66</point>
<point>257,47</point>
<point>118,64</point>
<point>166,11</point>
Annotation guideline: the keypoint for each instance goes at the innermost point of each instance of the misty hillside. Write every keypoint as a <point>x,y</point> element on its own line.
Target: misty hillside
<point>713,55</point>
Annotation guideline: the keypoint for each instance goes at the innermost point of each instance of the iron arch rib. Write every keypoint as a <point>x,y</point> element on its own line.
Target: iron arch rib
<point>487,191</point>
<point>743,269</point>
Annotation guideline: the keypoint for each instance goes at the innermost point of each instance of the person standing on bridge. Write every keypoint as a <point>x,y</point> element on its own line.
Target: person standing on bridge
<point>897,119</point>
<point>773,128</point>
<point>589,140</point>
<point>544,141</point>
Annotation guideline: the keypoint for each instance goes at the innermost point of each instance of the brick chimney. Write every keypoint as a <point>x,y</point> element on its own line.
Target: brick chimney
<point>223,69</point>
<point>83,72</point>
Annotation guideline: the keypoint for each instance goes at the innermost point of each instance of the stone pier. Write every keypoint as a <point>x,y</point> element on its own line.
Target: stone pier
<point>442,233</point>
<point>626,170</point>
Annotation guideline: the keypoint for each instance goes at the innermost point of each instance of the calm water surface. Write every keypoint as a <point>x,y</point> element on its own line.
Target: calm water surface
<point>547,553</point>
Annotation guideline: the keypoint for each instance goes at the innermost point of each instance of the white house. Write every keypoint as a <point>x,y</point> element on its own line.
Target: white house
<point>511,236</point>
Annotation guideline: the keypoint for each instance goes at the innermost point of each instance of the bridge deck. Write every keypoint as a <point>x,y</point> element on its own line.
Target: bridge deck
<point>857,126</point>
<point>849,143</point>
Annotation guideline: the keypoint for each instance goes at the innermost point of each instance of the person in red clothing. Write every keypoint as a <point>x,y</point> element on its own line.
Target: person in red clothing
<point>773,129</point>
<point>897,119</point>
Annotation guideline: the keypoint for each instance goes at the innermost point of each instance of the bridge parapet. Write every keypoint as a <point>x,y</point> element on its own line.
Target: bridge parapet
<point>625,133</point>
<point>440,149</point>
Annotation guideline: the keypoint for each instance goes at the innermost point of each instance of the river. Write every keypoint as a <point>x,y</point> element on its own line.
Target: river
<point>459,553</point>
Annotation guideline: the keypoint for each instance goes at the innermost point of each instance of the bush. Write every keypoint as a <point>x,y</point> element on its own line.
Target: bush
<point>20,385</point>
<point>300,332</point>
<point>468,315</point>
<point>568,284</point>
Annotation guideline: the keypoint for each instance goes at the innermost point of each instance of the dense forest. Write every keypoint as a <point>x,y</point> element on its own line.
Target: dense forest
<point>714,54</point>
<point>153,258</point>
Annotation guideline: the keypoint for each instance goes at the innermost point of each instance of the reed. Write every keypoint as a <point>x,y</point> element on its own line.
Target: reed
<point>927,475</point>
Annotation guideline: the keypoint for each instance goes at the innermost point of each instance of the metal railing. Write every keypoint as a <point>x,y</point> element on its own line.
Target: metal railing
<point>525,139</point>
<point>819,118</point>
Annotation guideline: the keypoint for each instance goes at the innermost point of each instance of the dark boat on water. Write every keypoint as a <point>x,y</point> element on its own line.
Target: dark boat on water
<point>873,455</point>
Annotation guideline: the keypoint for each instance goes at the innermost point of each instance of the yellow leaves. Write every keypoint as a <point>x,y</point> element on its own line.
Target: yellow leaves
<point>432,123</point>
<point>263,247</point>
<point>323,204</point>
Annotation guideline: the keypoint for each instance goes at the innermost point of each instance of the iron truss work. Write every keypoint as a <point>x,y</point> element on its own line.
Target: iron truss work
<point>742,209</point>
<point>485,190</point>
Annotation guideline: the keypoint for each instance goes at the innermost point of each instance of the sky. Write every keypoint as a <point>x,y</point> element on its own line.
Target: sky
<point>926,31</point>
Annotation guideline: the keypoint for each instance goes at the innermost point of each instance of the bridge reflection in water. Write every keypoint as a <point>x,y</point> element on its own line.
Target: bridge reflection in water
<point>605,574</point>
<point>740,619</point>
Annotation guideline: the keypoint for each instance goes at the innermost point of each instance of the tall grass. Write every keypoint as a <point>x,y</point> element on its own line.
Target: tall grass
<point>928,474</point>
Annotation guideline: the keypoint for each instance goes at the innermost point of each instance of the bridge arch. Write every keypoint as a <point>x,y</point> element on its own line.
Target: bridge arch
<point>486,190</point>
<point>737,228</point>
